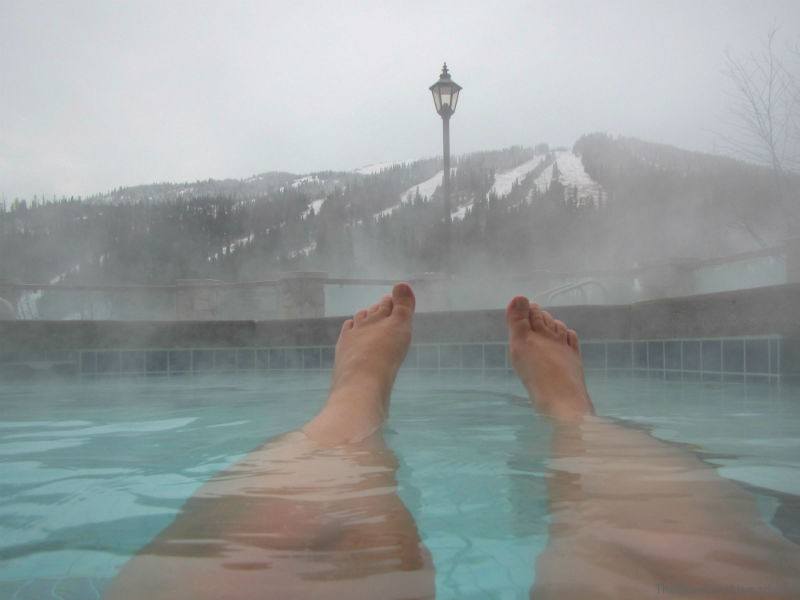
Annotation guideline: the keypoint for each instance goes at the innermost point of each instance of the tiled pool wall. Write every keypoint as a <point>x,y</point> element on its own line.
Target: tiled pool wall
<point>712,359</point>
<point>709,359</point>
<point>722,336</point>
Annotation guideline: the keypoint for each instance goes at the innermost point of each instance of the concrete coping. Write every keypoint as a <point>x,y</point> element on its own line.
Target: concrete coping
<point>302,275</point>
<point>198,283</point>
<point>771,310</point>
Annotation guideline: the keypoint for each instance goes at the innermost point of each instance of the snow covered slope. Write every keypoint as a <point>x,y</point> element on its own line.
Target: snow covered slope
<point>572,175</point>
<point>505,180</point>
<point>542,182</point>
<point>426,188</point>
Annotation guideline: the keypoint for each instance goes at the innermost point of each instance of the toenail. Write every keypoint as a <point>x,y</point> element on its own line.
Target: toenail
<point>520,303</point>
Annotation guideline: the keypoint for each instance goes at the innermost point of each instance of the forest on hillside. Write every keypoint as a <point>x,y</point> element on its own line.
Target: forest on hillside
<point>653,202</point>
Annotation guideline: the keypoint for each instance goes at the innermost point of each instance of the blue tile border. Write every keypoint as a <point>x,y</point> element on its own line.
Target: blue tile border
<point>711,359</point>
<point>690,355</point>
<point>245,359</point>
<point>708,359</point>
<point>156,361</point>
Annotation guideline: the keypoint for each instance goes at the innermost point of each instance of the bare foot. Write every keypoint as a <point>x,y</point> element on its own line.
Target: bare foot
<point>546,356</point>
<point>370,350</point>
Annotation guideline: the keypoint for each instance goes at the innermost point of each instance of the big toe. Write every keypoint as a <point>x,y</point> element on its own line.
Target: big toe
<point>403,301</point>
<point>517,315</point>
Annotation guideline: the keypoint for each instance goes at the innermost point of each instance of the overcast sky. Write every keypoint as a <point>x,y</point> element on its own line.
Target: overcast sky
<point>95,95</point>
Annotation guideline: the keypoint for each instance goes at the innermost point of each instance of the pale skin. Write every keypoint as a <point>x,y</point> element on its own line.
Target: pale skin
<point>315,514</point>
<point>312,514</point>
<point>633,517</point>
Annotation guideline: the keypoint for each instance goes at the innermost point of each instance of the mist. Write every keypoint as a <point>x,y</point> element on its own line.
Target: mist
<point>503,316</point>
<point>100,95</point>
<point>593,146</point>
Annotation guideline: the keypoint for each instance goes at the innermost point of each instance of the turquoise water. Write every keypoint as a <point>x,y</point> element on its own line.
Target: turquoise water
<point>92,470</point>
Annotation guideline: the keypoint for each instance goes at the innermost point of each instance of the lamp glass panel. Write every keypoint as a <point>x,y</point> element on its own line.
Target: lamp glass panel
<point>437,100</point>
<point>446,92</point>
<point>454,101</point>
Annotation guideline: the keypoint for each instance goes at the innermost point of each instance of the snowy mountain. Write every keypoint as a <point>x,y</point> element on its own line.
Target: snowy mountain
<point>256,185</point>
<point>622,200</point>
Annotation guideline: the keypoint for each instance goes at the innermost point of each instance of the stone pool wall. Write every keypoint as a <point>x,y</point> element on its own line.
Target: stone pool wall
<point>724,335</point>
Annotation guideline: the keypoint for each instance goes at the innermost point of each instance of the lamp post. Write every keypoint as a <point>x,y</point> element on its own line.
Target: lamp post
<point>445,97</point>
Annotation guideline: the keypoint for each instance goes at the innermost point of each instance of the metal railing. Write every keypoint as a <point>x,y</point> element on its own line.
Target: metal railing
<point>550,296</point>
<point>315,294</point>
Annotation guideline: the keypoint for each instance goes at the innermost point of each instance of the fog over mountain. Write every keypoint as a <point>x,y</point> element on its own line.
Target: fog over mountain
<point>98,95</point>
<point>604,204</point>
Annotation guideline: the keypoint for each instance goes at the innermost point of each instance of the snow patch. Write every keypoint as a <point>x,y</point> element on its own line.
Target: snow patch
<point>313,208</point>
<point>426,188</point>
<point>301,181</point>
<point>304,180</point>
<point>571,168</point>
<point>461,212</point>
<point>542,182</point>
<point>232,247</point>
<point>307,250</point>
<point>378,167</point>
<point>503,182</point>
<point>572,174</point>
<point>387,211</point>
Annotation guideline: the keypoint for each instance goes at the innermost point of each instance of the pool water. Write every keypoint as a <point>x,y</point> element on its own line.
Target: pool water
<point>93,470</point>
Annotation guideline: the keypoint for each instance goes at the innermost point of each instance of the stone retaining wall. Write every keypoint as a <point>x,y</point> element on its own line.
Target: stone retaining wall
<point>768,311</point>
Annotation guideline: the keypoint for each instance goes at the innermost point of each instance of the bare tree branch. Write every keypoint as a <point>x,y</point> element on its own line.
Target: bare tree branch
<point>763,124</point>
<point>765,107</point>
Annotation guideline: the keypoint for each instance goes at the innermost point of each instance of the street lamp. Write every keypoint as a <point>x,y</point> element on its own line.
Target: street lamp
<point>445,97</point>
